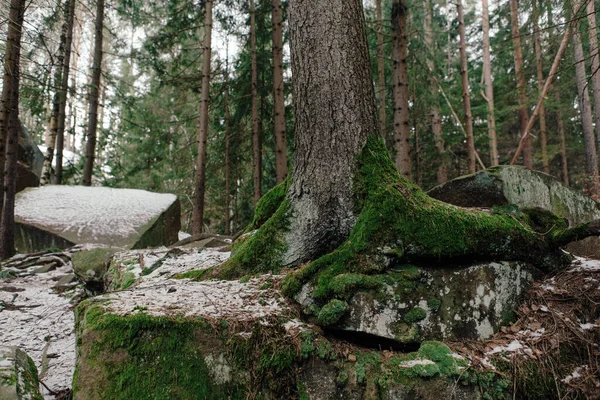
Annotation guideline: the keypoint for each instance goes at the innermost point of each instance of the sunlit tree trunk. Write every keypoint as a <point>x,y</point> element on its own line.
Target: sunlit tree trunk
<point>520,75</point>
<point>401,112</point>
<point>489,86</point>
<point>200,181</point>
<point>10,127</point>
<point>90,146</point>
<point>464,74</point>
<point>278,92</point>
<point>540,79</point>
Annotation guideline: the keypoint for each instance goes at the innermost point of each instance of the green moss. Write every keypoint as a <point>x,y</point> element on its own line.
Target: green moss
<point>434,304</point>
<point>332,312</point>
<point>268,204</point>
<point>342,378</point>
<point>441,354</point>
<point>415,315</point>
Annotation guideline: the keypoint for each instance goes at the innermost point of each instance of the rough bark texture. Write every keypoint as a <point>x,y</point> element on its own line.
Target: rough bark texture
<point>560,126</point>
<point>335,113</point>
<point>401,111</point>
<point>464,74</point>
<point>436,120</point>
<point>256,150</point>
<point>593,35</point>
<point>585,106</point>
<point>540,80</point>
<point>10,109</point>
<point>380,69</point>
<point>489,86</point>
<point>90,146</point>
<point>200,180</point>
<point>71,145</point>
<point>227,162</point>
<point>278,93</point>
<point>62,115</point>
<point>520,76</point>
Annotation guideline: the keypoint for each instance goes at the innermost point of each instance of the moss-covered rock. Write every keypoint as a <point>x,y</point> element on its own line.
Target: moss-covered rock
<point>413,304</point>
<point>90,266</point>
<point>18,375</point>
<point>505,185</point>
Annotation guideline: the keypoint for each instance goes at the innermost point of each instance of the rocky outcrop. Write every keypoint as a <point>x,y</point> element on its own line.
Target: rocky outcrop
<point>90,266</point>
<point>61,216</point>
<point>31,160</point>
<point>18,375</point>
<point>416,304</point>
<point>505,185</point>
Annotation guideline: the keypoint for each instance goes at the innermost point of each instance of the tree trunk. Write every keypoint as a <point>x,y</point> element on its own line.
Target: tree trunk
<point>90,146</point>
<point>401,111</point>
<point>71,144</point>
<point>540,79</point>
<point>560,126</point>
<point>380,70</point>
<point>593,35</point>
<point>200,182</point>
<point>279,93</point>
<point>10,125</point>
<point>585,107</point>
<point>256,150</point>
<point>436,120</point>
<point>335,113</point>
<point>227,161</point>
<point>489,86</point>
<point>464,74</point>
<point>520,76</point>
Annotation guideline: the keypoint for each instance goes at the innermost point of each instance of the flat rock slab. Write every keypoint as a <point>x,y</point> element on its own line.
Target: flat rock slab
<point>61,216</point>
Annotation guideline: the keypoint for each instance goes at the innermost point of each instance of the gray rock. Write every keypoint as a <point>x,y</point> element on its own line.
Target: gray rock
<point>18,375</point>
<point>91,265</point>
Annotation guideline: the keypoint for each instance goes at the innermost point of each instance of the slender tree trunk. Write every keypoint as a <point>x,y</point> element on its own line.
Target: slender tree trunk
<point>540,79</point>
<point>585,108</point>
<point>278,92</point>
<point>90,146</point>
<point>227,161</point>
<point>436,120</point>
<point>256,148</point>
<point>593,35</point>
<point>380,70</point>
<point>520,75</point>
<point>9,124</point>
<point>464,73</point>
<point>72,144</point>
<point>489,86</point>
<point>560,126</point>
<point>332,125</point>
<point>401,111</point>
<point>200,182</point>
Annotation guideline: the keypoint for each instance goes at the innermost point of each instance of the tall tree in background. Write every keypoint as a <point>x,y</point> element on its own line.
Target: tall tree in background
<point>200,180</point>
<point>90,146</point>
<point>227,155</point>
<point>401,96</point>
<point>560,126</point>
<point>593,35</point>
<point>10,127</point>
<point>61,82</point>
<point>436,120</point>
<point>540,81</point>
<point>520,76</point>
<point>464,74</point>
<point>256,142</point>
<point>380,69</point>
<point>585,108</point>
<point>489,86</point>
<point>278,92</point>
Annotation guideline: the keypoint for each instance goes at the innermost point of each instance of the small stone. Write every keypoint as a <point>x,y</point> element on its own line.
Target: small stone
<point>45,269</point>
<point>352,358</point>
<point>171,290</point>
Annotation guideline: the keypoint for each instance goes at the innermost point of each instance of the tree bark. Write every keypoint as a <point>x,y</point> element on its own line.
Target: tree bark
<point>489,86</point>
<point>256,147</point>
<point>71,144</point>
<point>10,127</point>
<point>380,70</point>
<point>593,35</point>
<point>227,161</point>
<point>335,112</point>
<point>278,93</point>
<point>90,146</point>
<point>436,120</point>
<point>520,76</point>
<point>200,181</point>
<point>585,107</point>
<point>560,126</point>
<point>464,73</point>
<point>401,111</point>
<point>540,80</point>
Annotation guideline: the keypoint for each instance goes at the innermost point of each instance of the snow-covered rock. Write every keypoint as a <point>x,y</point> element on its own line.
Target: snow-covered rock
<point>61,216</point>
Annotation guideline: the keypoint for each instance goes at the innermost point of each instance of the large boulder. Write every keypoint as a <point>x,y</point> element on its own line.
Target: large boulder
<point>506,185</point>
<point>413,304</point>
<point>18,375</point>
<point>62,216</point>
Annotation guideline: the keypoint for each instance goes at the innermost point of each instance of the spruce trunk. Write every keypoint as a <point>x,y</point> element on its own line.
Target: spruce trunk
<point>593,35</point>
<point>279,93</point>
<point>489,86</point>
<point>256,147</point>
<point>464,74</point>
<point>380,69</point>
<point>540,80</point>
